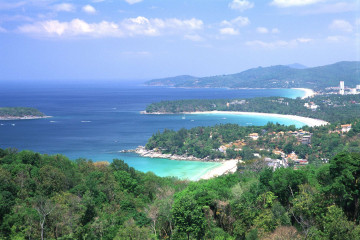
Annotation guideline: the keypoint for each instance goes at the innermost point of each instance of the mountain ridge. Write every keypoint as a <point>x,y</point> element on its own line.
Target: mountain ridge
<point>278,76</point>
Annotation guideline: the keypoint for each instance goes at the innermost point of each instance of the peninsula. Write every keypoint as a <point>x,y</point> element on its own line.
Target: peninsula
<point>327,117</point>
<point>20,113</point>
<point>328,108</point>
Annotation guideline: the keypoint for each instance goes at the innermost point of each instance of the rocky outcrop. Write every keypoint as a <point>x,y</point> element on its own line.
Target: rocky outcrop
<point>142,151</point>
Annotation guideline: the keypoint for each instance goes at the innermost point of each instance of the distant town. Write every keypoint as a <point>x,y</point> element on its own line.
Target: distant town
<point>341,89</point>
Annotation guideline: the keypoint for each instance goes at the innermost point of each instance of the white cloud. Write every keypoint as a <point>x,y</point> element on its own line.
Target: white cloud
<point>133,1</point>
<point>304,40</point>
<point>294,3</point>
<point>269,45</point>
<point>230,27</point>
<point>89,9</point>
<point>194,37</point>
<point>279,43</point>
<point>228,31</point>
<point>64,7</point>
<point>2,30</point>
<point>341,25</point>
<point>262,30</point>
<point>129,27</point>
<point>241,5</point>
<point>236,22</point>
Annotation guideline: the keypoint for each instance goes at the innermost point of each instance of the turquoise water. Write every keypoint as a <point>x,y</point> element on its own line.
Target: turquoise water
<point>243,120</point>
<point>97,121</point>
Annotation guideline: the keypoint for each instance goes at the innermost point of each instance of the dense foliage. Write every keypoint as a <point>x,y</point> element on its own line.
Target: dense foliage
<point>52,197</point>
<point>274,77</point>
<point>204,142</point>
<point>19,112</point>
<point>331,108</point>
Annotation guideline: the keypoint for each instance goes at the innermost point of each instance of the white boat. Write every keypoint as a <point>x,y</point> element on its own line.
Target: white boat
<point>183,117</point>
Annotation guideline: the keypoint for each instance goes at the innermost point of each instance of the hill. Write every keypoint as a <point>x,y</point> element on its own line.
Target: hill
<point>332,108</point>
<point>274,77</point>
<point>51,197</point>
<point>14,113</point>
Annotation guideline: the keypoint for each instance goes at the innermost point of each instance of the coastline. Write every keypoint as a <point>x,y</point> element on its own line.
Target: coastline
<point>311,122</point>
<point>228,166</point>
<point>140,150</point>
<point>8,118</point>
<point>308,92</point>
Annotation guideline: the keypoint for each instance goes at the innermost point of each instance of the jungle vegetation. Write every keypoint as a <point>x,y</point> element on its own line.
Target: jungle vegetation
<point>51,197</point>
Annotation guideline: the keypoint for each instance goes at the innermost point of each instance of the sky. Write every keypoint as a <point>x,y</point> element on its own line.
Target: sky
<point>72,40</point>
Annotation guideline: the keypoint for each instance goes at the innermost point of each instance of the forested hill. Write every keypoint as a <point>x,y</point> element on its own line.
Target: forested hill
<point>19,113</point>
<point>51,197</point>
<point>273,77</point>
<point>331,108</point>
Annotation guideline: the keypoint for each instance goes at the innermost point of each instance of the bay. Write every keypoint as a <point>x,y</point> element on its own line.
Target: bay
<point>96,120</point>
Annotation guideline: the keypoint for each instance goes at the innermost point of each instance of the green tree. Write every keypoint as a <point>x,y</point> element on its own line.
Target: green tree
<point>337,227</point>
<point>344,173</point>
<point>188,216</point>
<point>285,183</point>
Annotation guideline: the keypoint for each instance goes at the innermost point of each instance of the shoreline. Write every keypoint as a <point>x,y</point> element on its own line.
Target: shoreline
<point>311,122</point>
<point>140,150</point>
<point>308,92</point>
<point>9,118</point>
<point>227,166</point>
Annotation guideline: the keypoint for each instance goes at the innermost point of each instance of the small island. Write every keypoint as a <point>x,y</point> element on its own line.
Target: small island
<point>20,113</point>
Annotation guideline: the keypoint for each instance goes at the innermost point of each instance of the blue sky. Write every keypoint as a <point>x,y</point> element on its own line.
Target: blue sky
<point>145,39</point>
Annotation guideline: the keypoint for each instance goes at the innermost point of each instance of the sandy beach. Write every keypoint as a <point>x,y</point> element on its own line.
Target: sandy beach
<point>228,166</point>
<point>308,92</point>
<point>311,122</point>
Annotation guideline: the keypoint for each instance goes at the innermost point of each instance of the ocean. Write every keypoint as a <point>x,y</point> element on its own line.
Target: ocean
<point>99,119</point>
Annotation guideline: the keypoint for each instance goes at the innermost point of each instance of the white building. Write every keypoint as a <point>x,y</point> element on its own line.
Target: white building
<point>353,91</point>
<point>345,128</point>
<point>342,88</point>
